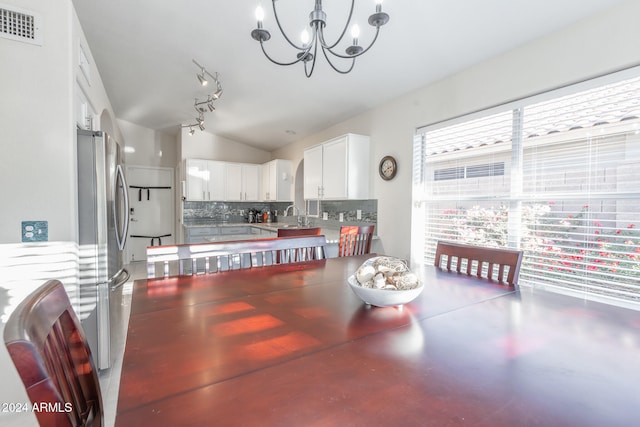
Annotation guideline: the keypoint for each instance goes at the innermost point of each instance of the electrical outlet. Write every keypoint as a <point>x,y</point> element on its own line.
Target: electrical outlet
<point>359,214</point>
<point>35,231</point>
<point>341,217</point>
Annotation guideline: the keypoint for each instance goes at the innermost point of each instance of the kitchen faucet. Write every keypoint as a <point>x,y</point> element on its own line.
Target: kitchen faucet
<point>294,210</point>
<point>302,222</point>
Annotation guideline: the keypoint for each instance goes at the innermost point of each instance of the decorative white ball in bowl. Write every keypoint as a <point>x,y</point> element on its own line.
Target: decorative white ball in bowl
<point>384,282</point>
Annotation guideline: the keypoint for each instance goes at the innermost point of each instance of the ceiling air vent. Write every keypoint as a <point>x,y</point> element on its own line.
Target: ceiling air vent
<point>20,25</point>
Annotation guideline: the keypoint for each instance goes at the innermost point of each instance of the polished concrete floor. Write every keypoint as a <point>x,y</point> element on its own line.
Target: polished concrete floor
<point>110,378</point>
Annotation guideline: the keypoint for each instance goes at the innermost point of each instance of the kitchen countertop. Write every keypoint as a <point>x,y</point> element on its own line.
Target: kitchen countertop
<point>331,234</point>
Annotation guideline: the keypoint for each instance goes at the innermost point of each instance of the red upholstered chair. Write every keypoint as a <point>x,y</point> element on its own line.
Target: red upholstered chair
<point>355,240</point>
<point>48,347</point>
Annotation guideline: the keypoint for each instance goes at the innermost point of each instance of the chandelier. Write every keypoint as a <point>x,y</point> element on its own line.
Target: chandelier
<point>307,51</point>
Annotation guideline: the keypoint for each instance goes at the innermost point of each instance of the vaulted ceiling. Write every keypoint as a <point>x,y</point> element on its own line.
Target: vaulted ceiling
<point>144,51</point>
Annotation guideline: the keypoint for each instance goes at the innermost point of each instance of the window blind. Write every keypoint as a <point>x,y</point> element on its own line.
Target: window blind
<point>564,185</point>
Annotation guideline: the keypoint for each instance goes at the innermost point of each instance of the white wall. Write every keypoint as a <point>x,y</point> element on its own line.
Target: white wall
<point>37,132</point>
<point>37,166</point>
<point>147,147</point>
<point>595,46</point>
<point>204,145</point>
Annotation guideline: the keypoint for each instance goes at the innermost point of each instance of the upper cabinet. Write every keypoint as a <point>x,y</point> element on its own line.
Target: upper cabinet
<point>338,169</point>
<point>205,179</point>
<point>243,182</point>
<point>277,181</point>
<point>212,180</point>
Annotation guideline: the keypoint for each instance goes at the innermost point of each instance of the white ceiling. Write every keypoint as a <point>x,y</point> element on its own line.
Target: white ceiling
<point>144,51</point>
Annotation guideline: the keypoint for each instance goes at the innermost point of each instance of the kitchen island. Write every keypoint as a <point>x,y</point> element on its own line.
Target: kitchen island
<point>205,232</point>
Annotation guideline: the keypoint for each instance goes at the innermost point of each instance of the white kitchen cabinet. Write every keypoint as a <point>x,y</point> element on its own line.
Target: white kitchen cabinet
<point>277,181</point>
<point>313,172</point>
<point>205,180</point>
<point>243,182</point>
<point>338,169</point>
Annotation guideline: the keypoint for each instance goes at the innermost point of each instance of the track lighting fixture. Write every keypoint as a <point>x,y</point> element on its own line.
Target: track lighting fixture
<point>191,129</point>
<point>206,105</point>
<point>202,78</point>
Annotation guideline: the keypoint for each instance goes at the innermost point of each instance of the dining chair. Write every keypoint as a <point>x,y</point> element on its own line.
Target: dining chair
<point>489,262</point>
<point>355,240</point>
<point>290,232</point>
<point>50,352</point>
<point>204,258</point>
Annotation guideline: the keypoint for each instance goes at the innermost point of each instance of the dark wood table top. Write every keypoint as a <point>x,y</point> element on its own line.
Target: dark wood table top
<point>292,345</point>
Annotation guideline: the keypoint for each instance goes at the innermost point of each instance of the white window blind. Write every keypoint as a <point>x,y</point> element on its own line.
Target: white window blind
<point>559,179</point>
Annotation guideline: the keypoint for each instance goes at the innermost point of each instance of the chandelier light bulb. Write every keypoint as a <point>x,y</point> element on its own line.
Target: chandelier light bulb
<point>355,31</point>
<point>259,14</point>
<point>305,37</point>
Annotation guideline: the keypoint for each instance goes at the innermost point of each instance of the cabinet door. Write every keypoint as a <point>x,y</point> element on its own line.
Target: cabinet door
<point>197,177</point>
<point>217,180</point>
<point>250,182</point>
<point>234,181</point>
<point>334,169</point>
<point>283,181</point>
<point>312,172</point>
<point>265,190</point>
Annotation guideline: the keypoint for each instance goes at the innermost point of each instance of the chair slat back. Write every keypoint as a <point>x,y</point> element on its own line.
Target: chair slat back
<point>486,260</point>
<point>355,240</point>
<point>47,345</point>
<point>205,258</point>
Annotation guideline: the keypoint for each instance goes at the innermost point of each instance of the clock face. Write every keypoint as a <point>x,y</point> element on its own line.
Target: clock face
<point>388,167</point>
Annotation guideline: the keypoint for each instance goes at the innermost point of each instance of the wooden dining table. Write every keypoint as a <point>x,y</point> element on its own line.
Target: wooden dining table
<point>292,345</point>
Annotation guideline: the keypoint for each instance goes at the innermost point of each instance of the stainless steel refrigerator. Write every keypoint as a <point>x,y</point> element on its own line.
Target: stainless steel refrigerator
<point>103,215</point>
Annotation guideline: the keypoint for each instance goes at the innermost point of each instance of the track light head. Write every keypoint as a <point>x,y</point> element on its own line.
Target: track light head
<point>202,79</point>
<point>191,131</point>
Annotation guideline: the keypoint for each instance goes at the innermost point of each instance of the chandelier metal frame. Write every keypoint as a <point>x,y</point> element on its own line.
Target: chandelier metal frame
<point>308,51</point>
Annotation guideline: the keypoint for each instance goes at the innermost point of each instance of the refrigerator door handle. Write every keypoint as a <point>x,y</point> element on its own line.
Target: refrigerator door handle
<point>119,279</point>
<point>121,239</point>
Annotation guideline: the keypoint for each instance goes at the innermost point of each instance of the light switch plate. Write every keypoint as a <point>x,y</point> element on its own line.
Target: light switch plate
<point>35,231</point>
<point>359,214</point>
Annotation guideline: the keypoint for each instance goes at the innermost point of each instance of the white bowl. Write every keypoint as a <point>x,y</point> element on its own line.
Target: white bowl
<point>384,297</point>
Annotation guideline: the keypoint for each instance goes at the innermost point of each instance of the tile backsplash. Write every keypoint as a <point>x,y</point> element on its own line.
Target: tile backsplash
<point>236,212</point>
<point>233,212</point>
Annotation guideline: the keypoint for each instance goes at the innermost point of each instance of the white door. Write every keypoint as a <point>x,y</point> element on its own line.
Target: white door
<point>151,205</point>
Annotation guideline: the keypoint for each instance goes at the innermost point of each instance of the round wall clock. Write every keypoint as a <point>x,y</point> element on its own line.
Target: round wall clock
<point>388,168</point>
